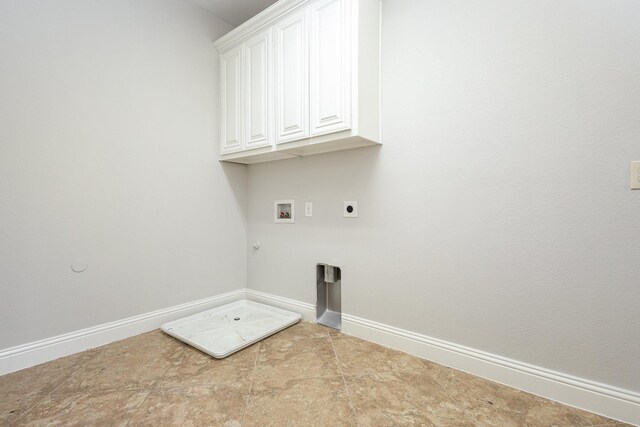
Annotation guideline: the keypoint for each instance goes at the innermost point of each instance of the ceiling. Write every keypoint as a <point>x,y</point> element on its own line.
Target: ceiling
<point>235,12</point>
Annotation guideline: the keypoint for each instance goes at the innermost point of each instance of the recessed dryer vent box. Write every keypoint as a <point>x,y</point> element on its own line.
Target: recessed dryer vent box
<point>329,300</point>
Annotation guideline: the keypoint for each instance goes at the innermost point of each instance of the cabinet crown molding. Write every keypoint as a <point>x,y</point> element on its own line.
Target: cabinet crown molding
<point>257,23</point>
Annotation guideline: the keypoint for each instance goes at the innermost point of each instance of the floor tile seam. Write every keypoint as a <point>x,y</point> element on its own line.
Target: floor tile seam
<point>299,359</point>
<point>251,377</point>
<point>300,356</point>
<point>344,382</point>
<point>177,356</point>
<point>76,370</point>
<point>150,390</point>
<point>58,384</point>
<point>99,391</point>
<point>185,387</point>
<point>135,411</point>
<point>297,378</point>
<point>82,371</point>
<point>275,338</point>
<point>77,395</point>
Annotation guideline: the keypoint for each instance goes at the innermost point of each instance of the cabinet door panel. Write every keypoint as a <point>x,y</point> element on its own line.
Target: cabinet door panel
<point>258,107</point>
<point>292,78</point>
<point>231,100</point>
<point>330,109</point>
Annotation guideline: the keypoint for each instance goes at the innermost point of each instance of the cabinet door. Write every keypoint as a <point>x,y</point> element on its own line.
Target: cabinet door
<point>292,77</point>
<point>231,100</point>
<point>330,108</point>
<point>258,107</point>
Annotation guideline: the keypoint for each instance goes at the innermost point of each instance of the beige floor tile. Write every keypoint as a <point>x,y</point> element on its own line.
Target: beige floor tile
<point>111,408</point>
<point>359,357</point>
<point>486,403</point>
<point>299,402</point>
<point>612,424</point>
<point>546,412</point>
<point>302,330</point>
<point>194,406</point>
<point>405,398</point>
<point>302,358</point>
<point>155,342</point>
<point>194,367</point>
<point>292,378</point>
<point>434,370</point>
<point>41,379</point>
<point>130,371</point>
<point>14,405</point>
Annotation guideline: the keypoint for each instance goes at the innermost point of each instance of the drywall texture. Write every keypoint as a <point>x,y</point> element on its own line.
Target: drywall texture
<point>108,153</point>
<point>497,213</point>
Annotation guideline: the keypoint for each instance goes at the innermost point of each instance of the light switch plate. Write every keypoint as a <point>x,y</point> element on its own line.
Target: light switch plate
<point>308,209</point>
<point>350,209</point>
<point>635,175</point>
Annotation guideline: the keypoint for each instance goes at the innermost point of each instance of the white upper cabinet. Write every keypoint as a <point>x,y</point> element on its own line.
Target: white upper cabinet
<point>231,100</point>
<point>301,78</point>
<point>330,107</point>
<point>292,77</point>
<point>258,89</point>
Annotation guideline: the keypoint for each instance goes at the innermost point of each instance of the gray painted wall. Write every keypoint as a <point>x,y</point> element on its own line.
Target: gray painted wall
<point>497,213</point>
<point>108,152</point>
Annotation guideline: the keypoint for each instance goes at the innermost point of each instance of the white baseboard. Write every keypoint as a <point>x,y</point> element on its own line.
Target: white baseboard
<point>34,353</point>
<point>308,311</point>
<point>603,399</point>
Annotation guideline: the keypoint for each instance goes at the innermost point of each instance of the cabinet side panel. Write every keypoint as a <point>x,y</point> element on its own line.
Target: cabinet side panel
<point>231,92</point>
<point>367,61</point>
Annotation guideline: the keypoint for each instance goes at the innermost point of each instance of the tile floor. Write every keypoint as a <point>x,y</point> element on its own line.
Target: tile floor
<point>306,375</point>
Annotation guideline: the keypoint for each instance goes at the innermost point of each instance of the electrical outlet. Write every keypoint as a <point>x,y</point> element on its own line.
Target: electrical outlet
<point>350,209</point>
<point>635,175</point>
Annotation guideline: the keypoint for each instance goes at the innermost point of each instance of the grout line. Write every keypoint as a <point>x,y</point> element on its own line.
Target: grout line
<point>139,406</point>
<point>344,381</point>
<point>57,385</point>
<point>255,366</point>
<point>150,390</point>
<point>80,367</point>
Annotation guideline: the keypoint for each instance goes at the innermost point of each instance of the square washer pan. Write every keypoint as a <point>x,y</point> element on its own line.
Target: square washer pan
<point>224,330</point>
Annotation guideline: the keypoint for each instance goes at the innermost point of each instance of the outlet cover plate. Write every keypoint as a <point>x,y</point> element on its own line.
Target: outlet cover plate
<point>350,209</point>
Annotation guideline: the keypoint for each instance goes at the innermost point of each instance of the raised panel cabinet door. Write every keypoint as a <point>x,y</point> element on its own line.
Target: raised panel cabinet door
<point>231,100</point>
<point>330,106</point>
<point>258,108</point>
<point>292,77</point>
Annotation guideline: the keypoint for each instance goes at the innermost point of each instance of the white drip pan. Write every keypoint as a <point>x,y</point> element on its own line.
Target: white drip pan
<point>224,330</point>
